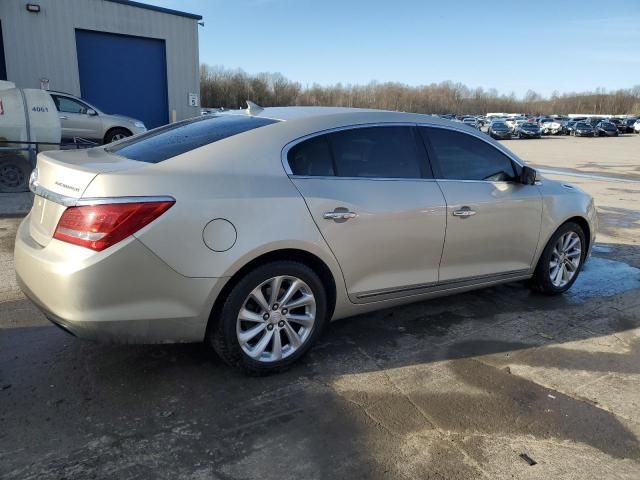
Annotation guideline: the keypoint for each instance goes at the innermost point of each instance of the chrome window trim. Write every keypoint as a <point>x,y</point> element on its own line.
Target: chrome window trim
<point>285,151</point>
<point>376,179</point>
<point>66,201</point>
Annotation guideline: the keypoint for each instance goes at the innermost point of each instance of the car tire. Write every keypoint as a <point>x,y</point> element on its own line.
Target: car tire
<point>548,278</point>
<point>116,134</point>
<point>226,330</point>
<point>14,174</point>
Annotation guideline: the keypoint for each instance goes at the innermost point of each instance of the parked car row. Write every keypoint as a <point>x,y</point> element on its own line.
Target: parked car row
<point>535,127</point>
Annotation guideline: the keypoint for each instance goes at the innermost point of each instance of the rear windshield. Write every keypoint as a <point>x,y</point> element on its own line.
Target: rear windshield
<point>172,140</point>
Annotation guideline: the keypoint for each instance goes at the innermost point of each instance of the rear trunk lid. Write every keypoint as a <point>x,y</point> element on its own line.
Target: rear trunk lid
<point>60,179</point>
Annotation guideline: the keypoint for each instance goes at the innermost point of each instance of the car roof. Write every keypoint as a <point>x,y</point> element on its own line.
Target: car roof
<point>343,114</point>
<point>62,93</point>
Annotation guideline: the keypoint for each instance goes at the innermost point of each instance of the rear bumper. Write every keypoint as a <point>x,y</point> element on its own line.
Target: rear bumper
<point>124,294</point>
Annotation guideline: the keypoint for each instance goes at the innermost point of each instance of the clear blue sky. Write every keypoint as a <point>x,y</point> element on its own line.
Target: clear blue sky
<point>563,45</point>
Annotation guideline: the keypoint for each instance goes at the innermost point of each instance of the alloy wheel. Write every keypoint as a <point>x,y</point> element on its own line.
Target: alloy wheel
<point>276,319</point>
<point>565,259</point>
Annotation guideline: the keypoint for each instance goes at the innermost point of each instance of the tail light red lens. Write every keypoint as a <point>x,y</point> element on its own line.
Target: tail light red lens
<point>100,226</point>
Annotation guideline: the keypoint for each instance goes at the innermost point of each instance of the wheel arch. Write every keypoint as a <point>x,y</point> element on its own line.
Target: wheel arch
<point>584,224</point>
<point>111,129</point>
<point>307,258</point>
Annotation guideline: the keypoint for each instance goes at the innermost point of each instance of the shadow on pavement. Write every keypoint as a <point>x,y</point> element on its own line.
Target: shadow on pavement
<point>350,409</point>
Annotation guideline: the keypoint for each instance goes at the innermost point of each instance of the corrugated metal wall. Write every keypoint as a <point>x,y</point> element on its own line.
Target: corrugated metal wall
<point>43,45</point>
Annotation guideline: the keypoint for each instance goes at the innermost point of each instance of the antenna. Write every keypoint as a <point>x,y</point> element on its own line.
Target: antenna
<point>253,108</point>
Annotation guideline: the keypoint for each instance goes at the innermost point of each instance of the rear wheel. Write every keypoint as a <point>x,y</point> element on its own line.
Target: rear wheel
<point>116,134</point>
<point>561,260</point>
<point>14,174</point>
<point>270,318</point>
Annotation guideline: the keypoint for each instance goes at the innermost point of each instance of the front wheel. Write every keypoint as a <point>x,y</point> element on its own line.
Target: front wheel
<point>116,134</point>
<point>270,318</point>
<point>561,261</point>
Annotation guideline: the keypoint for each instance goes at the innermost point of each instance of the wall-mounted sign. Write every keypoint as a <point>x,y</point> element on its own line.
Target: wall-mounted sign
<point>193,99</point>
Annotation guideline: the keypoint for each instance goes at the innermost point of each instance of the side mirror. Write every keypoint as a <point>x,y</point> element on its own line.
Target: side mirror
<point>529,176</point>
<point>91,111</point>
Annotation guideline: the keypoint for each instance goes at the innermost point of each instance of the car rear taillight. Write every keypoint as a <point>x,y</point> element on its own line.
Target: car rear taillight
<point>100,226</point>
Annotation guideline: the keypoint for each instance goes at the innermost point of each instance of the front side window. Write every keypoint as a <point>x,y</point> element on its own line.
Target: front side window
<point>68,105</point>
<point>460,156</point>
<point>370,152</point>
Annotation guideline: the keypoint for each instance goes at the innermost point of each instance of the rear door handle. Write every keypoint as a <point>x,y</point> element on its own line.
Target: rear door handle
<point>63,117</point>
<point>464,212</point>
<point>338,215</point>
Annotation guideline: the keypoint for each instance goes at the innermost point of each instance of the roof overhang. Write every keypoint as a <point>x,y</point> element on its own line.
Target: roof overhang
<point>146,6</point>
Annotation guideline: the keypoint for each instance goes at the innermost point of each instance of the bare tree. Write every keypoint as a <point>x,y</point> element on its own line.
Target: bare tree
<point>220,87</point>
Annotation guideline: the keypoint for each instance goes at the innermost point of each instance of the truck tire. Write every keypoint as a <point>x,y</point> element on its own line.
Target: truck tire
<point>14,174</point>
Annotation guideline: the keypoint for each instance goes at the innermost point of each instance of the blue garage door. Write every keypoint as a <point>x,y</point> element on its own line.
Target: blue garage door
<point>124,74</point>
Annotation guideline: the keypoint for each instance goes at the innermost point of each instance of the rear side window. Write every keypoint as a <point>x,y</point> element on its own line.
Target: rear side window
<point>172,140</point>
<point>312,158</point>
<point>370,152</point>
<point>460,156</point>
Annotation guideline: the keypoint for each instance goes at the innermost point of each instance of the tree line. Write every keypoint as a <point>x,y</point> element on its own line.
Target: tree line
<point>221,87</point>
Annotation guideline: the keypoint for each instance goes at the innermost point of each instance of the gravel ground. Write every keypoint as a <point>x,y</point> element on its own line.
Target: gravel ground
<point>454,388</point>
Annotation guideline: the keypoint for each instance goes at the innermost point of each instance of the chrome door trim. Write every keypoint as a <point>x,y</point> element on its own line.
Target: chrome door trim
<point>390,294</point>
<point>339,215</point>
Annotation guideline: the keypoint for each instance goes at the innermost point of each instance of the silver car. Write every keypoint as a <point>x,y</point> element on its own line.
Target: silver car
<point>252,230</point>
<point>79,119</point>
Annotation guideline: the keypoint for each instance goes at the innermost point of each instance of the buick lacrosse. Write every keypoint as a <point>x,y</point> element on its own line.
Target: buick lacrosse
<point>252,230</point>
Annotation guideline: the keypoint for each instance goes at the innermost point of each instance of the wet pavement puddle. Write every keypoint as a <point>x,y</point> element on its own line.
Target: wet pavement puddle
<point>602,277</point>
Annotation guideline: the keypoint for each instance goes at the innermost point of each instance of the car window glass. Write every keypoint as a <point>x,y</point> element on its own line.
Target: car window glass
<point>68,105</point>
<point>461,156</point>
<point>383,152</point>
<point>311,157</point>
<point>177,138</point>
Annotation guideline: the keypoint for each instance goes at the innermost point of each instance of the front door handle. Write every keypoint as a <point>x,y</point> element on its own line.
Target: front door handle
<point>63,117</point>
<point>464,212</point>
<point>338,215</point>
